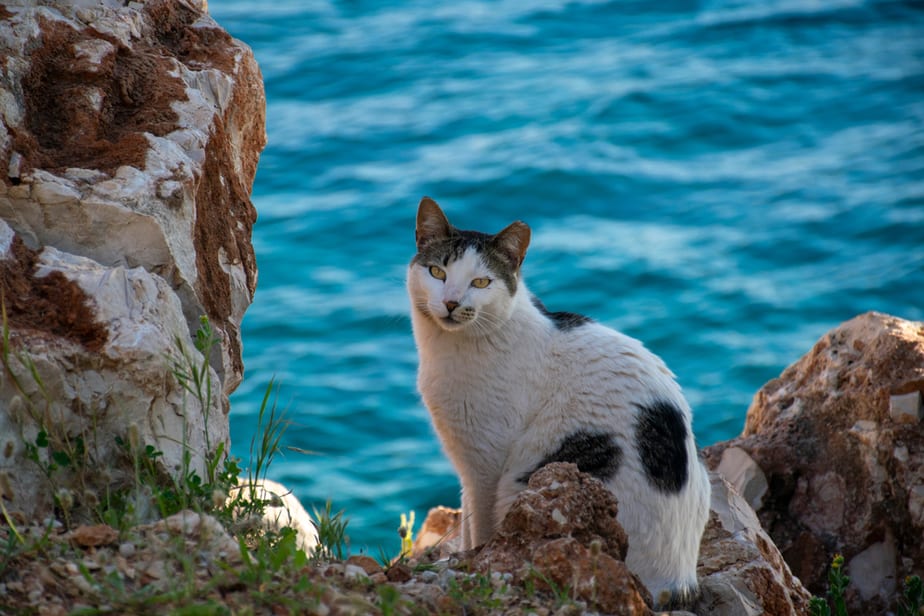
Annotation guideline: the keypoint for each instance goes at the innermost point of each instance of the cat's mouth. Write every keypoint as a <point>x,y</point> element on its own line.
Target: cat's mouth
<point>452,323</point>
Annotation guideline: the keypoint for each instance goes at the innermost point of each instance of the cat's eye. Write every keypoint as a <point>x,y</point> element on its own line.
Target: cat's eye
<point>481,283</point>
<point>437,272</point>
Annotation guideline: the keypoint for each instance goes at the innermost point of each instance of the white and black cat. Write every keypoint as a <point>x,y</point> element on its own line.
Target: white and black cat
<point>512,387</point>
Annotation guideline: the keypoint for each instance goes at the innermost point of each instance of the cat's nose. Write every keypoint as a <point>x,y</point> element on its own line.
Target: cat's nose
<point>450,305</point>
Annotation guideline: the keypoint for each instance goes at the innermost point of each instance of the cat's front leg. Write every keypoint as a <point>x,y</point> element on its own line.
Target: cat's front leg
<point>478,521</point>
<point>510,485</point>
<point>468,523</point>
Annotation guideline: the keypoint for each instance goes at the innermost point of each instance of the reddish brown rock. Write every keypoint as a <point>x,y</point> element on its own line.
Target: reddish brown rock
<point>440,534</point>
<point>840,440</point>
<point>561,532</point>
<point>94,536</point>
<point>366,563</point>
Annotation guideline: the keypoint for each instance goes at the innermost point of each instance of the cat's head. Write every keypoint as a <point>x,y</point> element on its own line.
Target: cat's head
<point>464,280</point>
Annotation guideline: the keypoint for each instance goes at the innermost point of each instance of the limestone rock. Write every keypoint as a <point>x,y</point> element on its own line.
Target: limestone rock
<point>741,572</point>
<point>283,509</point>
<point>130,135</point>
<point>845,470</point>
<point>90,366</point>
<point>129,139</point>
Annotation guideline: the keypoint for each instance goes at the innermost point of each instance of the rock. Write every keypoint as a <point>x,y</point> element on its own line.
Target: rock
<point>906,407</point>
<point>740,570</point>
<point>131,132</point>
<point>561,532</point>
<point>202,531</point>
<point>368,564</point>
<point>843,455</point>
<point>129,139</point>
<point>94,536</point>
<point>282,509</point>
<point>740,470</point>
<point>92,348</point>
<point>440,533</point>
<point>398,573</point>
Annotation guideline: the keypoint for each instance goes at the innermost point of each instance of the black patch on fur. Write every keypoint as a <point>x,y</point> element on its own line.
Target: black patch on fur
<point>445,251</point>
<point>563,321</point>
<point>661,435</point>
<point>594,453</point>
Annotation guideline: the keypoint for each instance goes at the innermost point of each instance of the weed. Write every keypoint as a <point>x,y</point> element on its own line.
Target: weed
<point>911,602</point>
<point>406,532</point>
<point>389,600</point>
<point>561,592</point>
<point>477,591</point>
<point>332,537</point>
<point>837,584</point>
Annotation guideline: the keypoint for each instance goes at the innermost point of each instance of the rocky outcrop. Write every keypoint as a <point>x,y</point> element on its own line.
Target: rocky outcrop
<point>129,141</point>
<point>561,533</point>
<point>563,530</point>
<point>832,456</point>
<point>741,572</point>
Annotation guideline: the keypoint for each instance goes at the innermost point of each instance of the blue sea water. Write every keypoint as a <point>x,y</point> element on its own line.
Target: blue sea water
<point>724,180</point>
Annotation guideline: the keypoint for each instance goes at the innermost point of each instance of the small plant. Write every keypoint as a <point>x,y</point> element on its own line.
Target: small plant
<point>389,599</point>
<point>332,537</point>
<point>562,593</point>
<point>911,603</point>
<point>837,584</point>
<point>406,532</point>
<point>477,591</point>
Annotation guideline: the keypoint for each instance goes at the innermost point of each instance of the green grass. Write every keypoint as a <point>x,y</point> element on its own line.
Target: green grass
<point>332,538</point>
<point>910,601</point>
<point>271,563</point>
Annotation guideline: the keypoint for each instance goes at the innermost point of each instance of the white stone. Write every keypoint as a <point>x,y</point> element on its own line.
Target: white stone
<point>738,552</point>
<point>284,510</point>
<point>559,517</point>
<point>906,408</point>
<point>15,164</point>
<point>55,191</point>
<point>354,572</point>
<point>744,474</point>
<point>6,239</point>
<point>94,51</point>
<point>872,571</point>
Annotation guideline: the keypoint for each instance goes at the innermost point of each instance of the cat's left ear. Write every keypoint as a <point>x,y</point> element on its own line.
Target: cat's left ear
<point>432,223</point>
<point>514,240</point>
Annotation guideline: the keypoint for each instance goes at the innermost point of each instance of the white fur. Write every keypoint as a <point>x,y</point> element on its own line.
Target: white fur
<point>504,386</point>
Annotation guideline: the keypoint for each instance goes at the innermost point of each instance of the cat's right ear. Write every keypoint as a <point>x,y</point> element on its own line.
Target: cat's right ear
<point>513,241</point>
<point>432,223</point>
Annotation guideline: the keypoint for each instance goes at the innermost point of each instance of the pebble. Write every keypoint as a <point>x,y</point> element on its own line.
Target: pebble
<point>428,577</point>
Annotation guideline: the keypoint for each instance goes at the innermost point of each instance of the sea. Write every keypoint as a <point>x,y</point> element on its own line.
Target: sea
<point>724,180</point>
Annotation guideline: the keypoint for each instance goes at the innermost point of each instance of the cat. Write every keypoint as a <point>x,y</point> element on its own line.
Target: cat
<point>511,386</point>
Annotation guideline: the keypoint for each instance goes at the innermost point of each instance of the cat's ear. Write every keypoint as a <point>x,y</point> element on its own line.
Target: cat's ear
<point>513,241</point>
<point>432,223</point>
